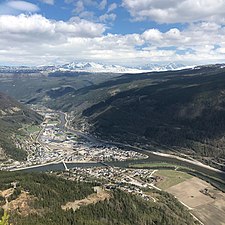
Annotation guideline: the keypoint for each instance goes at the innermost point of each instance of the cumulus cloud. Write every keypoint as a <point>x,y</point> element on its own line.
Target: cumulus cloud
<point>31,26</point>
<point>173,11</point>
<point>195,35</point>
<point>152,35</point>
<point>34,39</point>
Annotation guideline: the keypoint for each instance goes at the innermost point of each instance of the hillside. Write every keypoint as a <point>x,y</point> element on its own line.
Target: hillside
<point>180,111</point>
<point>37,199</point>
<point>183,111</point>
<point>13,116</point>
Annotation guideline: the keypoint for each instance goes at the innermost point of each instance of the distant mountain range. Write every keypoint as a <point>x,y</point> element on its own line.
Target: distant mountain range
<point>96,68</point>
<point>92,67</point>
<point>166,67</point>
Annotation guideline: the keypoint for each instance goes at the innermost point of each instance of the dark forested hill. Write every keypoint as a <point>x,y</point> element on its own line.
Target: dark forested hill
<point>13,116</point>
<point>182,110</point>
<point>43,195</point>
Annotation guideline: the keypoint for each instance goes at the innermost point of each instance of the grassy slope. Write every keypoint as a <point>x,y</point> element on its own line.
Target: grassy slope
<point>171,178</point>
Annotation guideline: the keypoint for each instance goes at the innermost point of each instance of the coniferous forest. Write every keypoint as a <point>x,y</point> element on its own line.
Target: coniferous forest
<point>47,193</point>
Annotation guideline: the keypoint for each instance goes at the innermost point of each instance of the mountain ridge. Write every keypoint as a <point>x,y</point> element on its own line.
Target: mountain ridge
<point>92,67</point>
<point>182,110</point>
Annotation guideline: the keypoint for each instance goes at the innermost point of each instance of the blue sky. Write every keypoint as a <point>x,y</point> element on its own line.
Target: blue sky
<point>125,32</point>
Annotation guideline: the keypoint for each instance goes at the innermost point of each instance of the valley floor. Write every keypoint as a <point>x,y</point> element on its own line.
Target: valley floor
<point>55,142</point>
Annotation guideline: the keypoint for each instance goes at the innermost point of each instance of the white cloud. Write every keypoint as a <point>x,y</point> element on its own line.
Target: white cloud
<point>79,7</point>
<point>34,39</point>
<point>152,35</point>
<point>107,17</point>
<point>103,4</point>
<point>89,15</point>
<point>49,2</point>
<point>112,7</point>
<point>173,11</point>
<point>16,7</point>
<point>34,26</point>
<point>85,2</point>
<point>23,6</point>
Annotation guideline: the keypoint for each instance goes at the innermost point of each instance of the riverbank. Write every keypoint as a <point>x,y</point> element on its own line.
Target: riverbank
<point>193,161</point>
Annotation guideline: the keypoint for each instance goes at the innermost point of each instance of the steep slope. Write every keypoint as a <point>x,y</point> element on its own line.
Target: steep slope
<point>13,116</point>
<point>182,110</point>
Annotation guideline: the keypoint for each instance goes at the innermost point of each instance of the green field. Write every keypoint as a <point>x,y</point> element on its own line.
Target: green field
<point>52,122</point>
<point>32,128</point>
<point>20,137</point>
<point>153,165</point>
<point>171,178</point>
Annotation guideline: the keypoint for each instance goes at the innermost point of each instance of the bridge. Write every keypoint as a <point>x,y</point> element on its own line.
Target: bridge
<point>64,164</point>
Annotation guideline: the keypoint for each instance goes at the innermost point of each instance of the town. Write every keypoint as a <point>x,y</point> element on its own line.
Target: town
<point>137,182</point>
<point>53,142</point>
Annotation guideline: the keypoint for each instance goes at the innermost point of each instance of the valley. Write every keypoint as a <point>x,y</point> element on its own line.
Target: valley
<point>86,159</point>
<point>112,112</point>
<point>88,132</point>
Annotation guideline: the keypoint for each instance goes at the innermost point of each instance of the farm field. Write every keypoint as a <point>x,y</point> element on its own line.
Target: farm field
<point>171,178</point>
<point>204,201</point>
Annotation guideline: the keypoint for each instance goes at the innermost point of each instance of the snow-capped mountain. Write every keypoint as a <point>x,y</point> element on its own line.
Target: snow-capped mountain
<point>165,67</point>
<point>92,67</point>
<point>102,68</point>
<point>19,69</point>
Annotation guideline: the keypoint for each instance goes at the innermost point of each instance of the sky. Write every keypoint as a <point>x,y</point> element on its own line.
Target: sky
<point>123,32</point>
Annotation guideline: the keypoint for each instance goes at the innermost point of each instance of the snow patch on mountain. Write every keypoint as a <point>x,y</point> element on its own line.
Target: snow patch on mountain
<point>92,67</point>
<point>102,68</point>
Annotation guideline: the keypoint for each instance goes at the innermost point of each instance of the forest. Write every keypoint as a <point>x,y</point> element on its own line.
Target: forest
<point>48,192</point>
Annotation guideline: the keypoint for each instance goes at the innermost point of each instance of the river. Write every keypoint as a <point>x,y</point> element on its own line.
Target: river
<point>152,158</point>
